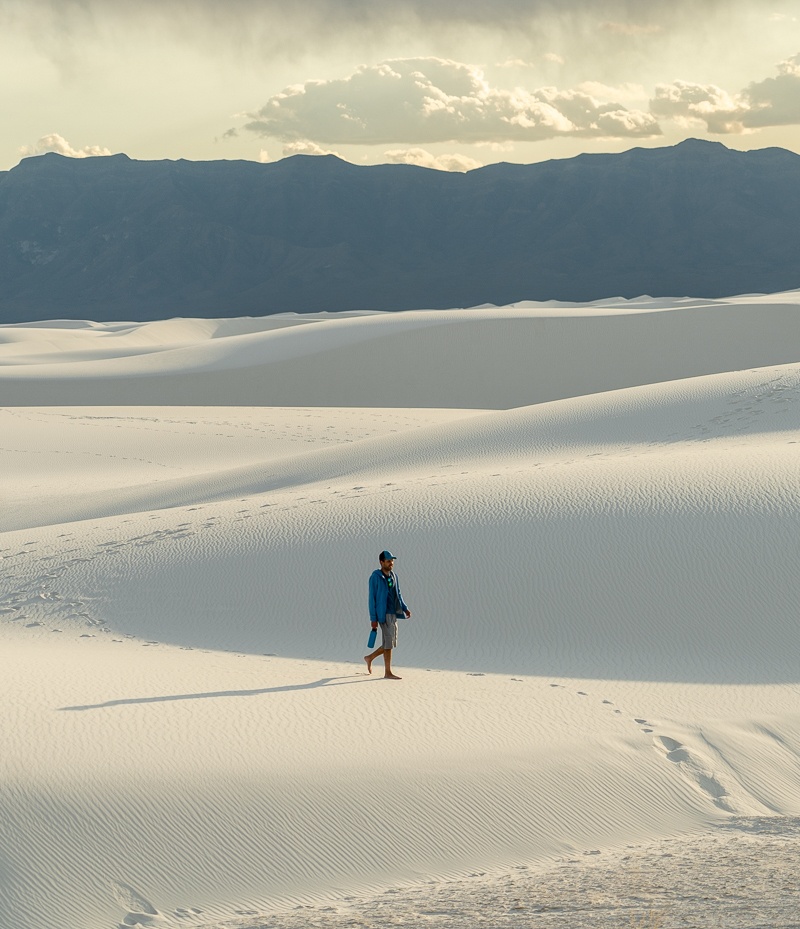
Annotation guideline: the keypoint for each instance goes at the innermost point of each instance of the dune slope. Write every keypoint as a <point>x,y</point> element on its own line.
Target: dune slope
<point>490,358</point>
<point>602,647</point>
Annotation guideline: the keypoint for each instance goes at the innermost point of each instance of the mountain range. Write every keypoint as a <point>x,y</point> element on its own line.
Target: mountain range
<point>113,238</point>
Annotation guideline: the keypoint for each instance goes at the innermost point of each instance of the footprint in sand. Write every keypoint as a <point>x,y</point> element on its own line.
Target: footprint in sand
<point>140,911</point>
<point>695,769</point>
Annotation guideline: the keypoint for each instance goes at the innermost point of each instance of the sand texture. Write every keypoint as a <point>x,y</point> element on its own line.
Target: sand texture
<point>596,511</point>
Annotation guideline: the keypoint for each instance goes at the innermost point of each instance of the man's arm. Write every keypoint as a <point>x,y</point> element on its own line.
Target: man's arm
<point>373,604</point>
<point>403,606</point>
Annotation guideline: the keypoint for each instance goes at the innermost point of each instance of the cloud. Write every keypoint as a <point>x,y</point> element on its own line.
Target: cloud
<point>305,147</point>
<point>335,13</point>
<point>424,159</point>
<point>57,143</point>
<point>550,57</point>
<point>291,32</point>
<point>522,63</point>
<point>774,101</point>
<point>428,100</point>
<point>790,67</point>
<point>515,63</point>
<point>688,103</point>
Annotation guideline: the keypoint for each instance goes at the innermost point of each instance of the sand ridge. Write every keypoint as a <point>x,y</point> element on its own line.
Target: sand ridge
<point>497,357</point>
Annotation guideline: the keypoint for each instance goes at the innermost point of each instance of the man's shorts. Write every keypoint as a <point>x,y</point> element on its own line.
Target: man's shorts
<point>389,632</point>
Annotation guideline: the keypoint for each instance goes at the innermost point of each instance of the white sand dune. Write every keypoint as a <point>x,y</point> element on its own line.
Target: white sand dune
<point>489,358</point>
<point>604,641</point>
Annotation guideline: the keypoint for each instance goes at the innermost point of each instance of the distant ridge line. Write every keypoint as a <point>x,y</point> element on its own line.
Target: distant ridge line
<point>110,237</point>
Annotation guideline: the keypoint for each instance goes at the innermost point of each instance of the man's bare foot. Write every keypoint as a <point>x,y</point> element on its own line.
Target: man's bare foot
<point>369,664</point>
<point>392,677</point>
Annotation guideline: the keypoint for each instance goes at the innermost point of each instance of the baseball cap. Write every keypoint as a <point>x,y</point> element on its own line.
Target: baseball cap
<point>386,556</point>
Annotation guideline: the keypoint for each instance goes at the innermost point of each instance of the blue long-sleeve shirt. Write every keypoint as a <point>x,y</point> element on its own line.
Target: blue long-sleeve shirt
<point>379,596</point>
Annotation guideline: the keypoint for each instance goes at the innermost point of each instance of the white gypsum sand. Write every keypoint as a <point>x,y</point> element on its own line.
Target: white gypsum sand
<point>604,640</point>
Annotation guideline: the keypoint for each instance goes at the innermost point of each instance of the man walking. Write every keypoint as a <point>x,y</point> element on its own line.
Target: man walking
<point>385,605</point>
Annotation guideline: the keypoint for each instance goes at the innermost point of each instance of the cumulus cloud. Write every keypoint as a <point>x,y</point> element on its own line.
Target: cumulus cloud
<point>687,103</point>
<point>515,63</point>
<point>427,100</point>
<point>424,159</point>
<point>550,57</point>
<point>790,67</point>
<point>774,101</point>
<point>304,147</point>
<point>57,143</point>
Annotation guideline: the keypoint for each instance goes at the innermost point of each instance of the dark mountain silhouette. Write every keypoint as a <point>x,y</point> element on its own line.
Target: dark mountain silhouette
<point>112,238</point>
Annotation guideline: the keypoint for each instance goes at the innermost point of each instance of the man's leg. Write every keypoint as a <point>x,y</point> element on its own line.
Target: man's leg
<point>370,658</point>
<point>387,660</point>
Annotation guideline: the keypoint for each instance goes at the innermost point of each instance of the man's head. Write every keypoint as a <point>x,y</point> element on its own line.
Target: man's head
<point>387,560</point>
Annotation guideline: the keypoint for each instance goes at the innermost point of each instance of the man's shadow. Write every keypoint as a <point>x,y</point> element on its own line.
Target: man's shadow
<point>323,682</point>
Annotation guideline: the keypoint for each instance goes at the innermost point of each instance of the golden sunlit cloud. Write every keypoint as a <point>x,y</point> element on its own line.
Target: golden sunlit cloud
<point>424,159</point>
<point>424,100</point>
<point>53,142</point>
<point>774,101</point>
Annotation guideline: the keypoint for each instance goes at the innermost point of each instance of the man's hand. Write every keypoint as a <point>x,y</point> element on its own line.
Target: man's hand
<point>408,614</point>
<point>374,625</point>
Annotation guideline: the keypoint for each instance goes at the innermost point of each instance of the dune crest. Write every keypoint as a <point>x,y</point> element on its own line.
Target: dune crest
<point>481,358</point>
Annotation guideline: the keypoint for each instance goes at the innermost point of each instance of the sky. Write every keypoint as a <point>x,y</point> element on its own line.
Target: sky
<point>446,84</point>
